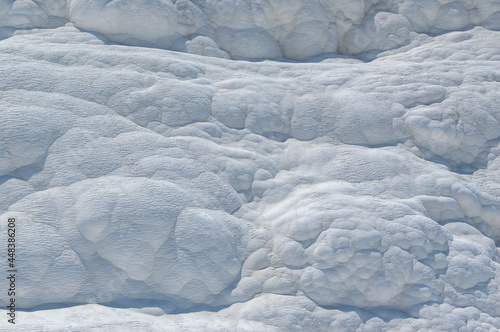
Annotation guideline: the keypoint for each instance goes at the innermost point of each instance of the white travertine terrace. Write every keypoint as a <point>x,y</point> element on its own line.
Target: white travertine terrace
<point>201,192</point>
<point>293,29</point>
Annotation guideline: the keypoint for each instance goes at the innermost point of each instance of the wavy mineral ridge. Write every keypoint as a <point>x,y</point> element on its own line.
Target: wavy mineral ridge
<point>251,165</point>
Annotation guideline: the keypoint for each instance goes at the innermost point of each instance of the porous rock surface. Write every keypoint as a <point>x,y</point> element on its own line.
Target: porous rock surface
<point>198,192</point>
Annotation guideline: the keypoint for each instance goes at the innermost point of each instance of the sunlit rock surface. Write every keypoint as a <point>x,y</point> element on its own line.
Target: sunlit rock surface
<point>295,29</point>
<point>157,190</point>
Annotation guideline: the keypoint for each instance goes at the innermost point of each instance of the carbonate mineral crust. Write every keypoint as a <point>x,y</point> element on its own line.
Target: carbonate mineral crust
<point>251,165</point>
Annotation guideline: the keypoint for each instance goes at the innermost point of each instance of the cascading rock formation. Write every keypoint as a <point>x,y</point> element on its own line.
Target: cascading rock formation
<point>251,165</point>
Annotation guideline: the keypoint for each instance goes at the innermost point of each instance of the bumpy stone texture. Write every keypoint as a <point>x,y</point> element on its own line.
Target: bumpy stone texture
<point>295,29</point>
<point>218,195</point>
<point>145,174</point>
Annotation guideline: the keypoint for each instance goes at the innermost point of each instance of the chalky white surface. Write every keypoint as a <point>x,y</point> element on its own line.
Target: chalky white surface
<point>294,29</point>
<point>159,191</point>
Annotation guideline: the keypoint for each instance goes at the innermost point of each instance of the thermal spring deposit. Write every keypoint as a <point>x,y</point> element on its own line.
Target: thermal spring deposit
<point>249,165</point>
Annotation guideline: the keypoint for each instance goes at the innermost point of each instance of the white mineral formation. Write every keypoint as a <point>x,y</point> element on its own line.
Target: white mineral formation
<point>160,181</point>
